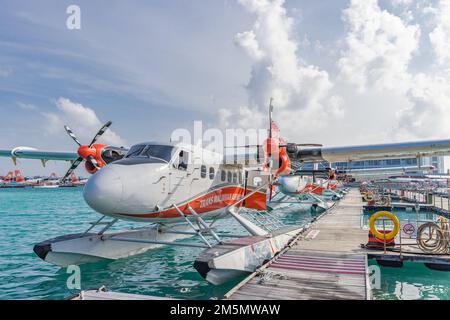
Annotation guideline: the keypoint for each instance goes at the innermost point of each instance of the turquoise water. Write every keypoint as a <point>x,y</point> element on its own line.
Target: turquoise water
<point>413,281</point>
<point>29,216</point>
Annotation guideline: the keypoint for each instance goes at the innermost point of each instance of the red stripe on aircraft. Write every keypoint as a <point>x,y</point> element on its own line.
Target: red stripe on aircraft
<point>212,201</point>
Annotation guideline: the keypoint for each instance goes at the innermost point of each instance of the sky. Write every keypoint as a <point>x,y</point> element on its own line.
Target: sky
<point>341,72</point>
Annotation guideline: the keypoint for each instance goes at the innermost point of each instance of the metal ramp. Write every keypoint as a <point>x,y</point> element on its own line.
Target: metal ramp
<point>319,263</point>
<point>308,277</point>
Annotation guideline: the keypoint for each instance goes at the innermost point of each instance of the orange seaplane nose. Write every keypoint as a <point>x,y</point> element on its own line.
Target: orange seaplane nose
<point>86,151</point>
<point>92,152</point>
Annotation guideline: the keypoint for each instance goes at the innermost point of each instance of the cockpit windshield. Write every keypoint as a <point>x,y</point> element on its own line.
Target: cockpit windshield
<point>162,153</point>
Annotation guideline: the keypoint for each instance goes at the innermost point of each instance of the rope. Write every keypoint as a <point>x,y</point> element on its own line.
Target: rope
<point>269,275</point>
<point>436,241</point>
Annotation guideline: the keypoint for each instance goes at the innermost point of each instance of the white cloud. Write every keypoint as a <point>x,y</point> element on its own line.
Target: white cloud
<point>379,50</point>
<point>380,46</point>
<point>26,106</point>
<point>82,120</point>
<point>247,40</point>
<point>427,114</point>
<point>440,36</point>
<point>299,90</point>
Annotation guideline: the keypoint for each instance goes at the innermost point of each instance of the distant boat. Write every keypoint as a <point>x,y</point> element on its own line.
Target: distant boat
<point>46,186</point>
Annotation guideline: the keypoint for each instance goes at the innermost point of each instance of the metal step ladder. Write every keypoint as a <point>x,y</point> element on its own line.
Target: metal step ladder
<point>100,222</point>
<point>202,229</point>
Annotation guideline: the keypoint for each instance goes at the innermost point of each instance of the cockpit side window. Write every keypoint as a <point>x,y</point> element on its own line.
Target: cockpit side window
<point>182,162</point>
<point>135,150</point>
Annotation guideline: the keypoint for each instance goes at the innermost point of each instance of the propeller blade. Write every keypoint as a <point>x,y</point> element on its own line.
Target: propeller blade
<point>100,132</point>
<point>72,168</point>
<point>94,162</point>
<point>309,144</point>
<point>72,135</point>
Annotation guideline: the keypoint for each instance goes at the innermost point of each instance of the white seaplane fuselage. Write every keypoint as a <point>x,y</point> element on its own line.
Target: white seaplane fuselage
<point>153,177</point>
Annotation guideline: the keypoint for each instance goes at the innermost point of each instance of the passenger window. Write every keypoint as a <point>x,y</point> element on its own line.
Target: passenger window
<point>211,173</point>
<point>240,177</point>
<point>223,175</point>
<point>229,176</point>
<point>203,171</point>
<point>234,177</point>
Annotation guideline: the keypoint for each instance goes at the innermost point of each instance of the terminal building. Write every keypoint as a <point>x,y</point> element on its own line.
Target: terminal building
<point>436,162</point>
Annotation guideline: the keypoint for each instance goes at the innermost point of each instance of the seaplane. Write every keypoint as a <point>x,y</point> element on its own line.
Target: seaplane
<point>13,179</point>
<point>179,190</point>
<point>315,190</point>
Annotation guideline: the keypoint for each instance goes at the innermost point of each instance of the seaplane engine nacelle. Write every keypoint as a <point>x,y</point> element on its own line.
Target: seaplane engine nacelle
<point>291,184</point>
<point>276,158</point>
<point>94,151</point>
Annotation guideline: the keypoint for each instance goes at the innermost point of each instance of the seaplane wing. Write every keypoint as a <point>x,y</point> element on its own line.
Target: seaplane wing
<point>371,152</point>
<point>388,169</point>
<point>32,153</point>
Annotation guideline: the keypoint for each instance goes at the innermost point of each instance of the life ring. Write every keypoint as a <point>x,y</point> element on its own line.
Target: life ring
<point>378,234</point>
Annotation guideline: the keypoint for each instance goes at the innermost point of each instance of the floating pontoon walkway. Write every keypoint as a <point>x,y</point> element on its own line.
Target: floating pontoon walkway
<point>327,263</point>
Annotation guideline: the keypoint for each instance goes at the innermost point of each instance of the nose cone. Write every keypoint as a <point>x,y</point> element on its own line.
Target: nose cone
<point>290,184</point>
<point>103,191</point>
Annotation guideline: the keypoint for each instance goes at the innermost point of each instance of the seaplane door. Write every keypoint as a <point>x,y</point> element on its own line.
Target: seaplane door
<point>180,172</point>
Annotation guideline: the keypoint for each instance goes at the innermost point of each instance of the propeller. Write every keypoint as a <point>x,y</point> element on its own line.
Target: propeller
<point>89,158</point>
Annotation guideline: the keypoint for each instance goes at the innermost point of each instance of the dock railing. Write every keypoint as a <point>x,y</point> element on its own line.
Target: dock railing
<point>437,200</point>
<point>430,237</point>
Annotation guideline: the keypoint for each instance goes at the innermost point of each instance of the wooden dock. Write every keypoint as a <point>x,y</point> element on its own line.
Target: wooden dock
<point>327,263</point>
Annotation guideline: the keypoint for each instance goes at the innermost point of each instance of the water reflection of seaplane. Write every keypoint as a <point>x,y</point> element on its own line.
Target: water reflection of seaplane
<point>182,189</point>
